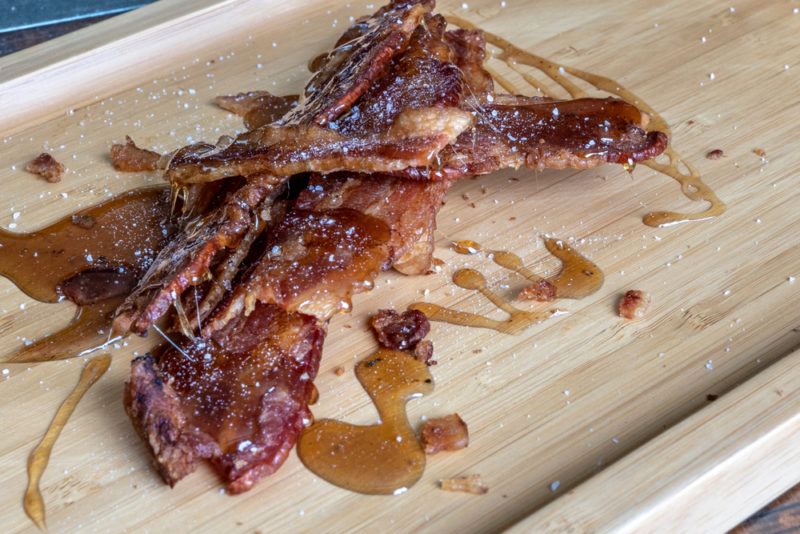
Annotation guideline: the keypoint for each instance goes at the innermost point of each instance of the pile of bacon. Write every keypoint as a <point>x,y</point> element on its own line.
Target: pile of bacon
<point>281,225</point>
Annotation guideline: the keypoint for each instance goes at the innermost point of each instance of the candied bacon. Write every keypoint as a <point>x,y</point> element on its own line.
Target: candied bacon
<point>536,133</point>
<point>541,291</point>
<point>634,304</point>
<point>239,400</point>
<point>47,167</point>
<point>448,433</point>
<point>187,258</point>
<point>131,158</point>
<point>466,484</point>
<point>399,331</point>
<point>396,96</point>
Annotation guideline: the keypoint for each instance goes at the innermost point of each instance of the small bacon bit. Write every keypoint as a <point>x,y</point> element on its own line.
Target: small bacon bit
<point>400,331</point>
<point>715,154</point>
<point>423,352</point>
<point>468,484</point>
<point>542,291</point>
<point>131,158</point>
<point>634,304</point>
<point>47,167</point>
<point>447,433</point>
<point>760,152</point>
<point>338,371</point>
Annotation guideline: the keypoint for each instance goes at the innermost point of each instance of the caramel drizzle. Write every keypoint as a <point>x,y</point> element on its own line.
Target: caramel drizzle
<point>578,278</point>
<point>381,459</point>
<point>691,183</point>
<point>33,503</point>
<point>86,333</point>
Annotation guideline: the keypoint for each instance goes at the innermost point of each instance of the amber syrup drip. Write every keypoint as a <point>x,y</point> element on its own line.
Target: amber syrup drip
<point>32,502</point>
<point>384,458</point>
<point>675,166</point>
<point>120,232</point>
<point>579,277</point>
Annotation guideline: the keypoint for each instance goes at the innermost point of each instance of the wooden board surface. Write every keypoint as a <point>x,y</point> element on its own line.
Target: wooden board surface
<point>559,402</point>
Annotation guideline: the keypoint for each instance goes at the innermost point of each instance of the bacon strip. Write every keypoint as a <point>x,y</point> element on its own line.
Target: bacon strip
<point>188,257</point>
<point>241,406</point>
<point>239,398</point>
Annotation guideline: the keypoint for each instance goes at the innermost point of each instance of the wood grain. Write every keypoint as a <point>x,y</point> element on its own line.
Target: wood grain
<point>559,402</point>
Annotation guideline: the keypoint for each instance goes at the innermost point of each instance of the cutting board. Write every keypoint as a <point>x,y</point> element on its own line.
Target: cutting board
<point>585,422</point>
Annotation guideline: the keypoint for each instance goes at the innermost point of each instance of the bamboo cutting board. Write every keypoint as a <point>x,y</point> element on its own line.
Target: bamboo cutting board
<point>581,423</point>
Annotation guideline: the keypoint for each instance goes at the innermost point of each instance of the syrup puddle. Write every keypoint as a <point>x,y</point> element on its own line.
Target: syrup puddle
<point>690,180</point>
<point>40,456</point>
<point>122,234</point>
<point>385,458</point>
<point>579,278</point>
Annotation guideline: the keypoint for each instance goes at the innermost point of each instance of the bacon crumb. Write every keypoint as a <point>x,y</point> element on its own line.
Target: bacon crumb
<point>447,433</point>
<point>47,167</point>
<point>400,331</point>
<point>715,154</point>
<point>541,291</point>
<point>131,158</point>
<point>634,304</point>
<point>423,352</point>
<point>467,484</point>
<point>760,152</point>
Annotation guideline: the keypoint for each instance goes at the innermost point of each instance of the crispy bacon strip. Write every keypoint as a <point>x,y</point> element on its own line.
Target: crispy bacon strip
<point>413,140</point>
<point>187,260</point>
<point>362,56</point>
<point>401,121</point>
<point>189,256</point>
<point>536,133</point>
<point>342,232</point>
<point>239,400</point>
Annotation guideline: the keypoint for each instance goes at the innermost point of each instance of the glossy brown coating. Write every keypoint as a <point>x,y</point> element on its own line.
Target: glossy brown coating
<point>313,262</point>
<point>88,331</point>
<point>32,502</point>
<point>120,236</point>
<point>343,230</point>
<point>127,233</point>
<point>518,320</point>
<point>384,458</point>
<point>579,277</point>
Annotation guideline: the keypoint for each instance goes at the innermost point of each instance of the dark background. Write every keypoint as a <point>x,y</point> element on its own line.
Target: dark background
<point>24,23</point>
